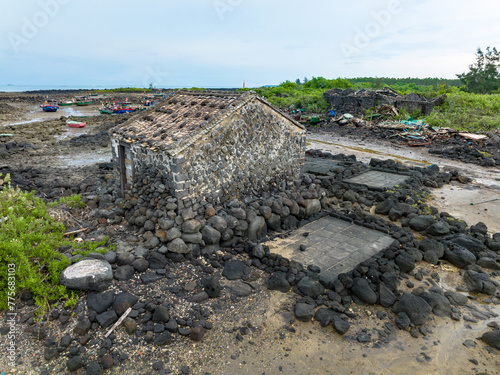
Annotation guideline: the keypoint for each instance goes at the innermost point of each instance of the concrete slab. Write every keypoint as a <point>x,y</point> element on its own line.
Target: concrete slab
<point>377,180</point>
<point>335,246</point>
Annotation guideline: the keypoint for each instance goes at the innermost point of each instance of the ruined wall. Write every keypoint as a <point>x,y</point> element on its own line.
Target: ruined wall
<point>144,160</point>
<point>357,102</point>
<point>246,153</point>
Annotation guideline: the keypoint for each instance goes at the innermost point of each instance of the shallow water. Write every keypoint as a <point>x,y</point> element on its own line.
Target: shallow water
<point>71,133</point>
<point>83,159</point>
<point>35,113</point>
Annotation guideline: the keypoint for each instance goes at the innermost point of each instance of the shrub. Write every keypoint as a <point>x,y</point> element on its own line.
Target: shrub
<point>29,239</point>
<point>467,111</point>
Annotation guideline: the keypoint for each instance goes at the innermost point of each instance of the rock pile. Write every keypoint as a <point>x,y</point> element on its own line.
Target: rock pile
<point>218,247</point>
<point>171,234</point>
<point>356,102</point>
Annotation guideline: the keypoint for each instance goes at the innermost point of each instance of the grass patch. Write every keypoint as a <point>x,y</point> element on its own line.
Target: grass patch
<point>468,112</point>
<point>29,239</point>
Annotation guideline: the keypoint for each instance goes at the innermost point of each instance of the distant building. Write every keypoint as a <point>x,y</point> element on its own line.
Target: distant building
<point>209,145</point>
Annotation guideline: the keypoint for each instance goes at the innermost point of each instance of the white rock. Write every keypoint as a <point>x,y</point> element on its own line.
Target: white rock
<point>88,274</point>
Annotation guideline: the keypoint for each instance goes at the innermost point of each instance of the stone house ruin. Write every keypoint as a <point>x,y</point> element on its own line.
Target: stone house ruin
<point>209,146</point>
<point>356,102</point>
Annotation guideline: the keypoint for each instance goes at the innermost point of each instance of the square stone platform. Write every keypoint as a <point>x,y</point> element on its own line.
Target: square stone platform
<point>335,246</point>
<point>377,180</point>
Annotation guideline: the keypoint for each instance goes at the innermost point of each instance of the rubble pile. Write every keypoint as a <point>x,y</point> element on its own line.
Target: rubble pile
<point>357,102</point>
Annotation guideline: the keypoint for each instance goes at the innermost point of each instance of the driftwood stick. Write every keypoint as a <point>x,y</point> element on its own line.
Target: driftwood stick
<point>118,322</point>
<point>75,231</point>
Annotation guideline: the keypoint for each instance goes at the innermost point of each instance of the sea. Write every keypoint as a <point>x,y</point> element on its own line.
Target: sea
<point>22,88</point>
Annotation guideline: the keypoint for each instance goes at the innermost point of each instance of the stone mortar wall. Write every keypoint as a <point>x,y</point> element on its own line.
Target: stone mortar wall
<point>143,159</point>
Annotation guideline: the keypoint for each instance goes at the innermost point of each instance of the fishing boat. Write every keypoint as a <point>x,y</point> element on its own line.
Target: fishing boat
<point>106,111</point>
<point>75,124</point>
<point>83,100</point>
<point>64,102</point>
<point>148,100</point>
<point>159,94</point>
<point>123,107</point>
<point>50,106</point>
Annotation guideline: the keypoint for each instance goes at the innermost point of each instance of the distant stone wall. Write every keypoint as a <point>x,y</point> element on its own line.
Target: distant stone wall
<point>246,153</point>
<point>356,102</point>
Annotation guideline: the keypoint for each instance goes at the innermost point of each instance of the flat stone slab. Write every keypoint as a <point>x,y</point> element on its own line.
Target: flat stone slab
<point>377,180</point>
<point>321,166</point>
<point>335,246</point>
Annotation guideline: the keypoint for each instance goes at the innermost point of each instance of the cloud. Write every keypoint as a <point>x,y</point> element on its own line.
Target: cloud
<point>195,43</point>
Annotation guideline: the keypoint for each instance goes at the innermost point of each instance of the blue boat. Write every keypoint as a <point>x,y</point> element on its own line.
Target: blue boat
<point>50,106</point>
<point>123,107</point>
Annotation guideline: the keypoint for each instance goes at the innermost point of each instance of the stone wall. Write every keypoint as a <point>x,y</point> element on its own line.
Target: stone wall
<point>357,102</point>
<point>143,159</point>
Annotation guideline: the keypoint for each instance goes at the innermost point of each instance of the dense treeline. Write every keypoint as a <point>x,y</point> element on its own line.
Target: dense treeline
<point>435,82</point>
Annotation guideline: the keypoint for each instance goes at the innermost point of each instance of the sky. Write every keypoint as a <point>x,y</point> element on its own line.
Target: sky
<point>223,43</point>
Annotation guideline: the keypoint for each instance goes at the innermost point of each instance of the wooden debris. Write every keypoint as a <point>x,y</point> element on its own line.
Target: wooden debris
<point>75,231</point>
<point>118,322</point>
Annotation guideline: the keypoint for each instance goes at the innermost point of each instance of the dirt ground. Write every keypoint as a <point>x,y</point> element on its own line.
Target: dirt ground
<point>278,344</point>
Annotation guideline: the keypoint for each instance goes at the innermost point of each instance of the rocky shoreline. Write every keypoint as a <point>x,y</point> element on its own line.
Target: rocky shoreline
<point>196,275</point>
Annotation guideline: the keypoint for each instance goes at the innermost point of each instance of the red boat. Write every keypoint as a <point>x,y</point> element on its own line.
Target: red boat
<point>75,124</point>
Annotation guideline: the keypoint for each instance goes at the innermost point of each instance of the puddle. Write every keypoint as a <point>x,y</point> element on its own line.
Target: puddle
<point>71,132</point>
<point>470,204</point>
<point>83,159</point>
<point>23,122</point>
<point>36,114</point>
<point>450,278</point>
<point>310,142</point>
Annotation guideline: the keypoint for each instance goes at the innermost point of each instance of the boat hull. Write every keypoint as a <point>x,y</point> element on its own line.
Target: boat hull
<point>75,124</point>
<point>50,108</point>
<point>120,111</point>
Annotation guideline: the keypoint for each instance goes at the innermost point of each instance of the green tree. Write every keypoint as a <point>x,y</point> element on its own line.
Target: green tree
<point>297,81</point>
<point>483,76</point>
<point>378,84</point>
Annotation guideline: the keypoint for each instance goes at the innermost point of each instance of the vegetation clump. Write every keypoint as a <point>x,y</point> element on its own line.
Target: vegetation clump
<point>467,111</point>
<point>29,241</point>
<point>483,76</point>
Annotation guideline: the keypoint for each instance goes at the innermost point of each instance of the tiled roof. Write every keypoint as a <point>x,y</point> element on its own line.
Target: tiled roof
<point>177,119</point>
